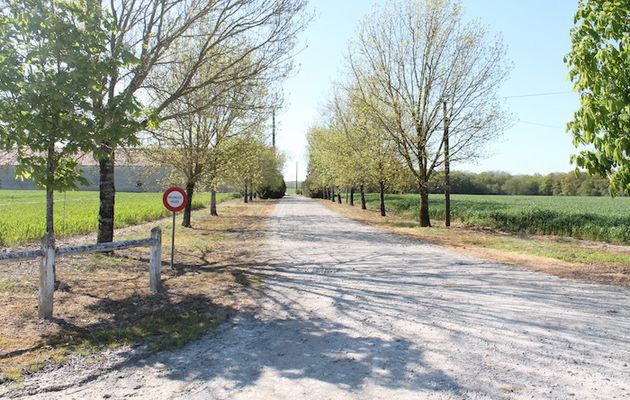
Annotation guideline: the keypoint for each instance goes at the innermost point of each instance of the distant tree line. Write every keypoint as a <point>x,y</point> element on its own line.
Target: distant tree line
<point>502,183</point>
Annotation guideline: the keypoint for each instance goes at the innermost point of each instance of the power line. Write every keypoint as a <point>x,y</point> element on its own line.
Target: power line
<point>538,124</point>
<point>536,94</point>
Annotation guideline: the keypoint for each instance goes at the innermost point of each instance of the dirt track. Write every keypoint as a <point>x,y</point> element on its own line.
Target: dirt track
<point>349,312</point>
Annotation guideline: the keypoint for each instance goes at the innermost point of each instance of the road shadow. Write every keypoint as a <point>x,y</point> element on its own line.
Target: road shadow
<point>314,349</point>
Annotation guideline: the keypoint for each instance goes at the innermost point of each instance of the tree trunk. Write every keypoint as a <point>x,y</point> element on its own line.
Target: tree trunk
<point>190,189</point>
<point>425,221</point>
<point>339,198</point>
<point>245,197</point>
<point>363,206</point>
<point>347,195</point>
<point>107,195</point>
<point>332,194</point>
<point>50,230</point>
<point>251,191</point>
<point>447,171</point>
<point>382,198</point>
<point>447,201</point>
<point>213,203</point>
<point>50,203</point>
<point>352,196</point>
<point>50,211</point>
<point>50,206</point>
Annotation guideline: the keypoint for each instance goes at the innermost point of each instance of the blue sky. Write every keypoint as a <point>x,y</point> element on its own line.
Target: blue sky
<point>536,33</point>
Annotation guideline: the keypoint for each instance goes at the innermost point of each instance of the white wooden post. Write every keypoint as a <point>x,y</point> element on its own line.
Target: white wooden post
<point>155,260</point>
<point>47,277</point>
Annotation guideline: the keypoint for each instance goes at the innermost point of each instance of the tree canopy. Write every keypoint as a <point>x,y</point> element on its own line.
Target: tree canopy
<point>409,59</point>
<point>599,65</point>
<point>48,76</point>
<point>412,56</point>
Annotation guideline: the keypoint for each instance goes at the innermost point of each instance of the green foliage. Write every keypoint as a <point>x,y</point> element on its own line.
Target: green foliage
<point>22,212</point>
<point>49,73</point>
<point>274,188</point>
<point>250,162</point>
<point>417,63</point>
<point>352,149</point>
<point>591,218</point>
<point>599,62</point>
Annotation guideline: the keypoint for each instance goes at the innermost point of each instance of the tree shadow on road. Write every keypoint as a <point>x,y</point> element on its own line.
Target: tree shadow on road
<point>314,349</point>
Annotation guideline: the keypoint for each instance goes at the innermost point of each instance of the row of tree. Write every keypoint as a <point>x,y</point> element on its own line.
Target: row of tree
<point>420,92</point>
<point>189,80</point>
<point>485,183</point>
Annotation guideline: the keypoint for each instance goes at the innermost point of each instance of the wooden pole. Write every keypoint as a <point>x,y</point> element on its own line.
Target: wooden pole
<point>155,257</point>
<point>447,167</point>
<point>47,277</point>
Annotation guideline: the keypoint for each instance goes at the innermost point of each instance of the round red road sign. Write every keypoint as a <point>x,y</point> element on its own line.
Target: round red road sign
<point>175,199</point>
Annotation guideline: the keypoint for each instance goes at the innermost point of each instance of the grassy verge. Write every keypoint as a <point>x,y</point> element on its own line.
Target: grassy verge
<point>589,218</point>
<point>106,302</point>
<point>23,212</point>
<point>564,257</point>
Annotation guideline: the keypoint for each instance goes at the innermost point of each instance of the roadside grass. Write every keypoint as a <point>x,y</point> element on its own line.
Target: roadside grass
<point>23,212</point>
<point>589,218</point>
<point>560,256</point>
<point>106,303</point>
<point>158,332</point>
<point>14,287</point>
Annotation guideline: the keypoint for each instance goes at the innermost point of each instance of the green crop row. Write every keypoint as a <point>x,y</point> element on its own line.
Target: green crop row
<point>590,218</point>
<point>23,212</point>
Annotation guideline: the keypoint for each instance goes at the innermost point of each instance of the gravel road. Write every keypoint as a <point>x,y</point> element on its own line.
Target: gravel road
<point>349,312</point>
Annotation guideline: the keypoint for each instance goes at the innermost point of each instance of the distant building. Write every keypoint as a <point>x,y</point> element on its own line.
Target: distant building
<point>132,173</point>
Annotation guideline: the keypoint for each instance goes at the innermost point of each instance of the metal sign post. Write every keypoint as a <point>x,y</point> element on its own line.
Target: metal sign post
<point>173,242</point>
<point>175,200</point>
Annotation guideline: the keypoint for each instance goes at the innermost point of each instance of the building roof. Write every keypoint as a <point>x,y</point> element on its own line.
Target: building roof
<point>123,157</point>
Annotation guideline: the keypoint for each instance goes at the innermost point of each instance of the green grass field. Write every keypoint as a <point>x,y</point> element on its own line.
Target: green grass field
<point>23,212</point>
<point>592,218</point>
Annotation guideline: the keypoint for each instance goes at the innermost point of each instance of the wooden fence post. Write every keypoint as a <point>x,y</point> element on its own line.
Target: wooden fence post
<point>47,277</point>
<point>155,259</point>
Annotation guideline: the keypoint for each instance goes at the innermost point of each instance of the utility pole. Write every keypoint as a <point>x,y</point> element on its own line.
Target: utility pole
<point>273,127</point>
<point>296,178</point>
<point>447,167</point>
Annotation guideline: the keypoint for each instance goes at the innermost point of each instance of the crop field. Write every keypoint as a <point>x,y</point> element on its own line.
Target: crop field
<point>591,218</point>
<point>23,212</point>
